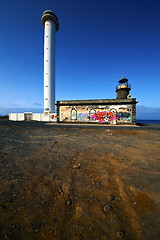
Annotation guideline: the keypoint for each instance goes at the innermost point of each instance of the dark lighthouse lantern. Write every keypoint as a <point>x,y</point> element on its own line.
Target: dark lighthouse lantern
<point>123,89</point>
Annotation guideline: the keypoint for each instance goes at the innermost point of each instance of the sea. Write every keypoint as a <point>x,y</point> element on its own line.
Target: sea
<point>148,121</point>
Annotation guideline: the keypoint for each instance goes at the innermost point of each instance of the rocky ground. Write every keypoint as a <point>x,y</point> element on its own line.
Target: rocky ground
<point>79,182</point>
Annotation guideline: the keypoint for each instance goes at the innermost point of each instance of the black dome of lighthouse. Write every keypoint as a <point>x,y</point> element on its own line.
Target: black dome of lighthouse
<point>123,80</point>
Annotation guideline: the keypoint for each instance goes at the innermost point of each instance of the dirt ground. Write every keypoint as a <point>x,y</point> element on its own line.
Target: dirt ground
<point>79,182</point>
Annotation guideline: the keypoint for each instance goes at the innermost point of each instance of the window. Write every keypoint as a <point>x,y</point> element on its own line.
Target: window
<point>73,114</point>
<point>92,112</point>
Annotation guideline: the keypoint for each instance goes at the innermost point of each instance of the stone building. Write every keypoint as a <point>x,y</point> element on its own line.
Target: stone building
<point>112,111</point>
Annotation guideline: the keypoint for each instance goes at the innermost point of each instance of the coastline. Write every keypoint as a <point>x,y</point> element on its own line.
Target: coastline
<point>146,121</point>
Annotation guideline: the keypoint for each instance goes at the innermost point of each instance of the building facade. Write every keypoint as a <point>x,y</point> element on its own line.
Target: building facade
<point>111,111</point>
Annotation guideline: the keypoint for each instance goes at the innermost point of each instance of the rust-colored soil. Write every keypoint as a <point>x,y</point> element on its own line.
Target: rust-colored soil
<point>67,182</point>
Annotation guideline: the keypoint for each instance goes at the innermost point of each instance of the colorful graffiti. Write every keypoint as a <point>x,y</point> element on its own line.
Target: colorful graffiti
<point>124,116</point>
<point>83,117</point>
<point>53,116</point>
<point>104,116</point>
<point>97,113</point>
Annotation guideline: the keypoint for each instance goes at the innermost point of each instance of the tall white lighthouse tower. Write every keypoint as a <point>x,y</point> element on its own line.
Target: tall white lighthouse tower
<point>51,25</point>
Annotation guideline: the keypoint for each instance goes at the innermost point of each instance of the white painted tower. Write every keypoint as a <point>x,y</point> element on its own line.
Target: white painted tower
<point>51,25</point>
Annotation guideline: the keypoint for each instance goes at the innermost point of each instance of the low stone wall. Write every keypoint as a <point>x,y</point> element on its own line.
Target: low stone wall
<point>52,117</point>
<point>13,116</point>
<point>20,116</point>
<point>37,116</point>
<point>16,116</point>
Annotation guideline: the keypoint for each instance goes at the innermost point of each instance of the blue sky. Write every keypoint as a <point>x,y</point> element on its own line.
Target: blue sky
<point>98,41</point>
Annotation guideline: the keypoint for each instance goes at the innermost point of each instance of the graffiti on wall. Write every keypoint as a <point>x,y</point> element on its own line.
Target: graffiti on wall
<point>97,113</point>
<point>83,117</point>
<point>124,116</point>
<point>53,117</point>
<point>104,116</point>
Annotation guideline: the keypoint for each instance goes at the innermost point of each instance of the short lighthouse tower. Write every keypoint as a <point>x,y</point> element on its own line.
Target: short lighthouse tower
<point>51,25</point>
<point>123,89</point>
